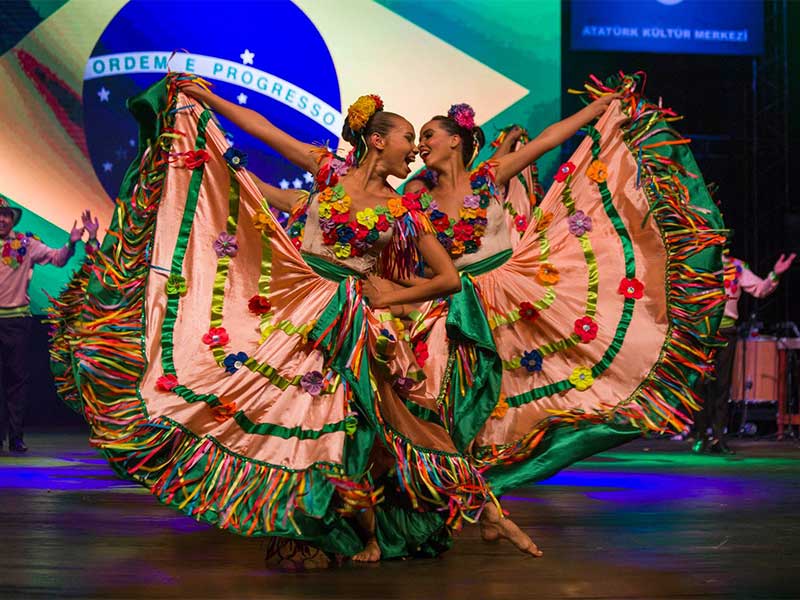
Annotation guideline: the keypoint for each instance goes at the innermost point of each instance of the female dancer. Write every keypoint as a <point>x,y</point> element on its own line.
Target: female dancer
<point>240,381</point>
<point>595,326</point>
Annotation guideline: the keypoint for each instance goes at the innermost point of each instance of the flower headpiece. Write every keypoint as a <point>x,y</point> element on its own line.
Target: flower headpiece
<point>361,110</point>
<point>463,115</point>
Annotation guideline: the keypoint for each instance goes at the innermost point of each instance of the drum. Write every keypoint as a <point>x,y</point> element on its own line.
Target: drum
<point>757,372</point>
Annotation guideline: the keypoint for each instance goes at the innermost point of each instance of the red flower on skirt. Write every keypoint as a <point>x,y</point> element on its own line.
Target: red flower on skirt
<point>586,329</point>
<point>259,305</point>
<point>528,312</point>
<point>631,288</point>
<point>421,352</point>
<point>166,383</point>
<point>521,223</point>
<point>195,158</point>
<point>216,336</point>
<point>564,171</point>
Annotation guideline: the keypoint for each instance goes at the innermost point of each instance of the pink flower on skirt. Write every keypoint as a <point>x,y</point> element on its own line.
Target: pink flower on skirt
<point>226,245</point>
<point>579,223</point>
<point>312,382</point>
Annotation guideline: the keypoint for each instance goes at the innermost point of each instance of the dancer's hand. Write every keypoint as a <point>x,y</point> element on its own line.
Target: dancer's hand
<point>191,89</point>
<point>783,263</point>
<point>76,233</point>
<point>90,225</point>
<point>376,289</point>
<point>599,106</point>
<point>514,134</point>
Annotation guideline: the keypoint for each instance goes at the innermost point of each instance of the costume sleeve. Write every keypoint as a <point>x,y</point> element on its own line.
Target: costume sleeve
<point>42,254</point>
<point>754,285</point>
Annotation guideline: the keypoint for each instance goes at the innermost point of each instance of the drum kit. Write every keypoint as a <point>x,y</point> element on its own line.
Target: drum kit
<point>766,371</point>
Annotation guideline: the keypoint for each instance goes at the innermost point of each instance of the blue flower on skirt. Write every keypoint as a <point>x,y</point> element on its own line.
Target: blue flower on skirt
<point>235,158</point>
<point>532,361</point>
<point>387,334</point>
<point>234,362</point>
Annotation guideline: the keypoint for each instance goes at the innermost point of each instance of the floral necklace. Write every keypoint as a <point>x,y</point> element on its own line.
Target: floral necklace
<point>464,236</point>
<point>15,247</point>
<point>354,237</point>
<point>731,273</point>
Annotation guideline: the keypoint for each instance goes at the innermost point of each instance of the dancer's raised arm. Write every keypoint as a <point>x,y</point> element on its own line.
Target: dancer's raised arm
<point>554,135</point>
<point>305,156</point>
<point>284,200</point>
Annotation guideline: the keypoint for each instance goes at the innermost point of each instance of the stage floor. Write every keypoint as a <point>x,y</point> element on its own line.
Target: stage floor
<point>649,520</point>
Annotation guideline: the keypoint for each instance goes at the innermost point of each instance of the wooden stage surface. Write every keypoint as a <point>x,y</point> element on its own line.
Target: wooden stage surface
<point>648,520</point>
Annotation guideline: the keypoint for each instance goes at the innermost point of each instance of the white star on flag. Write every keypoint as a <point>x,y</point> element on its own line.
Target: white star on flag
<point>247,57</point>
<point>242,98</point>
<point>103,94</point>
<point>107,167</point>
<point>297,183</point>
<point>308,177</point>
<point>131,142</point>
<point>284,184</point>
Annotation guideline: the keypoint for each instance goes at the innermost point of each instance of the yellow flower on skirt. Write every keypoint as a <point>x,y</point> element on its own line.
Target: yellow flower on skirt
<point>263,222</point>
<point>581,378</point>
<point>325,210</point>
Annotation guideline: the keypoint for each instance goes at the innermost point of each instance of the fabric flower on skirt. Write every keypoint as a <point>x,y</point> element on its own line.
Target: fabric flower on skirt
<point>167,383</point>
<point>235,158</point>
<point>631,288</point>
<point>586,329</point>
<point>175,286</point>
<point>404,384</point>
<point>548,274</point>
<point>581,378</point>
<point>223,412</point>
<point>312,382</point>
<point>544,222</point>
<point>521,223</point>
<point>564,171</point>
<point>259,305</point>
<point>234,362</point>
<point>263,222</point>
<point>195,159</point>
<point>528,311</point>
<point>532,361</point>
<point>421,352</point>
<point>216,336</point>
<point>579,223</point>
<point>500,409</point>
<point>226,245</point>
<point>597,171</point>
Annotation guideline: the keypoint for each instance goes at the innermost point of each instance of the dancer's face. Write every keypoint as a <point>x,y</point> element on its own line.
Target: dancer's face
<point>397,147</point>
<point>436,145</point>
<point>6,222</point>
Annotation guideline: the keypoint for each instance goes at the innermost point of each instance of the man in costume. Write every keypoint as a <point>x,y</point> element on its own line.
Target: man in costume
<point>20,252</point>
<point>716,392</point>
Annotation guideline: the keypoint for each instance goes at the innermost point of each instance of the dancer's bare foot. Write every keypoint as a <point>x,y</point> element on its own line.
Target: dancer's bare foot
<point>494,526</point>
<point>370,553</point>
